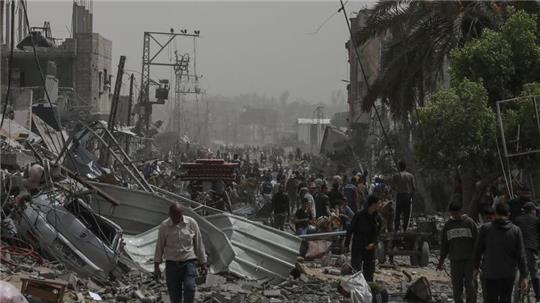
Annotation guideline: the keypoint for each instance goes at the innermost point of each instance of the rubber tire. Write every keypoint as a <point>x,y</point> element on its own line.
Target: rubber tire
<point>423,259</point>
<point>380,253</point>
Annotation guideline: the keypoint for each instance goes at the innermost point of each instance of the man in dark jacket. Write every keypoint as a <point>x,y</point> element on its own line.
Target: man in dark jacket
<point>322,203</point>
<point>530,228</point>
<point>335,196</point>
<point>280,206</point>
<point>516,205</point>
<point>364,231</point>
<point>458,237</point>
<point>500,250</point>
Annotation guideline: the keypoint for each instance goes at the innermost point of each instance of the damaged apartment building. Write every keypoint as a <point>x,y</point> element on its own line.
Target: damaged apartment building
<point>76,69</point>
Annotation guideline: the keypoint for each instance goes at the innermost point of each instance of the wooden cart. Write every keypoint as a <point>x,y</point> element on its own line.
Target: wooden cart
<point>412,244</point>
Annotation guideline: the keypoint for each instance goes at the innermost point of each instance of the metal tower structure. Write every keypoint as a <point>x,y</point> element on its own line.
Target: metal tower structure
<point>185,84</point>
<point>148,60</point>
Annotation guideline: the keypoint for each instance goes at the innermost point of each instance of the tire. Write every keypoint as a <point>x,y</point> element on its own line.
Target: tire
<point>423,259</point>
<point>381,254</point>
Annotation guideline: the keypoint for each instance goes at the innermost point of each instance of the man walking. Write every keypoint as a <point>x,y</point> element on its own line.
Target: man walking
<point>530,228</point>
<point>180,241</point>
<point>457,242</point>
<point>500,250</point>
<point>280,206</point>
<point>404,186</point>
<point>364,231</point>
<point>292,191</point>
<point>322,202</point>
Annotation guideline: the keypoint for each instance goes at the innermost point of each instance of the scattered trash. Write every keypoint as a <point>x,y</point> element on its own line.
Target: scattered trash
<point>94,296</point>
<point>10,294</point>
<point>357,288</point>
<point>420,290</point>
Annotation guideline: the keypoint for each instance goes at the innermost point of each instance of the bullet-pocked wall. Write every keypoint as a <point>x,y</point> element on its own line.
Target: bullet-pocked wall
<point>93,70</point>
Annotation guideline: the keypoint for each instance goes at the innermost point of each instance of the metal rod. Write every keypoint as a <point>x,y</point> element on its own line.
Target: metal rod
<point>323,235</point>
<point>536,113</point>
<point>524,153</point>
<point>130,105</point>
<point>116,93</point>
<point>503,137</point>
<point>161,49</point>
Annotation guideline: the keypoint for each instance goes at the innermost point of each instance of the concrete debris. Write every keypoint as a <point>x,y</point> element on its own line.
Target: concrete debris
<point>308,290</point>
<point>73,217</point>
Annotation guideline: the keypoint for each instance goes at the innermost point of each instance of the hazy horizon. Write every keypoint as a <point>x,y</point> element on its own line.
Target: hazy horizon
<point>245,47</point>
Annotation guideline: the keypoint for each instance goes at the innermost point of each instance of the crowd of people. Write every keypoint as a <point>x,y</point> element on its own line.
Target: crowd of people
<point>501,252</point>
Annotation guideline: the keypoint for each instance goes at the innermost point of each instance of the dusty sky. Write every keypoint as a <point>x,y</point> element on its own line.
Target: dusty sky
<point>245,47</point>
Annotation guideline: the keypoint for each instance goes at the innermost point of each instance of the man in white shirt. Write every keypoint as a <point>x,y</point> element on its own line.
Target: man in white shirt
<point>180,241</point>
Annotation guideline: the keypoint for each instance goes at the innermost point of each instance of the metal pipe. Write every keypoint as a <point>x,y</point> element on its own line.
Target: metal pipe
<point>20,22</point>
<point>8,22</point>
<point>323,235</point>
<point>2,22</point>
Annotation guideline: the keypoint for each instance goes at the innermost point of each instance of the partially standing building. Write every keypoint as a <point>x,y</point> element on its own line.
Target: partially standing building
<point>310,132</point>
<point>77,69</point>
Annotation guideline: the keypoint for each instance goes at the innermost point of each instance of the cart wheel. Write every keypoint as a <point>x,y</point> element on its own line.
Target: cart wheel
<point>423,259</point>
<point>381,254</point>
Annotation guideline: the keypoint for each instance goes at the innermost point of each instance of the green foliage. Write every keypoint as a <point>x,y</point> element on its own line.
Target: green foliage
<point>520,120</point>
<point>503,61</point>
<point>456,127</point>
<point>419,35</point>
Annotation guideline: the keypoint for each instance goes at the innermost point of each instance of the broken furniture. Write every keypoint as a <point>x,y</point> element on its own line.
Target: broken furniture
<point>51,291</point>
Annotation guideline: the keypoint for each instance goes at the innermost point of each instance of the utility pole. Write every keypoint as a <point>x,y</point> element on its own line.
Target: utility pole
<point>116,94</point>
<point>206,122</point>
<point>130,99</point>
<point>145,113</point>
<point>130,105</point>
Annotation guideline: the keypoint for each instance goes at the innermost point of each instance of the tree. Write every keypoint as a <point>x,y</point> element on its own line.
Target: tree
<point>457,128</point>
<point>503,61</point>
<point>520,124</point>
<point>419,36</point>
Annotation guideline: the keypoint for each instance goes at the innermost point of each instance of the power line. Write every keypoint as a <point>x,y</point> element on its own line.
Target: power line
<point>36,59</point>
<point>326,21</point>
<point>368,87</point>
<point>10,65</point>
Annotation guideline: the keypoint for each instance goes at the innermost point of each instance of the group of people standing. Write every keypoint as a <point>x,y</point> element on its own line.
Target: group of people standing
<point>502,252</point>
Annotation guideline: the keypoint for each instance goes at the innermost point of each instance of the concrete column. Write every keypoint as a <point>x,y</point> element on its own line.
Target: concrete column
<point>90,23</point>
<point>19,22</point>
<point>8,21</point>
<point>25,26</point>
<point>2,27</point>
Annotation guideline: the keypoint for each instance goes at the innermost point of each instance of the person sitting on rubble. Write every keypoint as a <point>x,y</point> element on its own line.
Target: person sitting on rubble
<point>303,218</point>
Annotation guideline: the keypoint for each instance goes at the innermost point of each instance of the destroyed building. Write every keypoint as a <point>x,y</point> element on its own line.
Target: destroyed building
<point>77,69</point>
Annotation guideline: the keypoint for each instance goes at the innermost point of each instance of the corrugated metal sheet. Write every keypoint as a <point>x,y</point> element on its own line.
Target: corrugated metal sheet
<point>234,244</point>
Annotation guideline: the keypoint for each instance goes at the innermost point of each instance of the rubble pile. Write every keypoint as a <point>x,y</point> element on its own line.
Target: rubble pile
<point>135,286</point>
<point>304,289</point>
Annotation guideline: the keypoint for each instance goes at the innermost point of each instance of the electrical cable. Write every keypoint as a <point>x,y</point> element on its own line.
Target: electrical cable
<point>368,86</point>
<point>43,81</point>
<point>10,64</point>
